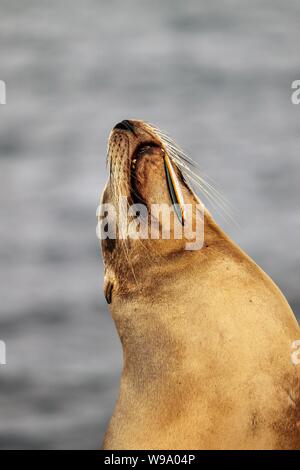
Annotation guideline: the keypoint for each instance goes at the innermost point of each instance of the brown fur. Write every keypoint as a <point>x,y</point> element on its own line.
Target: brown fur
<point>206,335</point>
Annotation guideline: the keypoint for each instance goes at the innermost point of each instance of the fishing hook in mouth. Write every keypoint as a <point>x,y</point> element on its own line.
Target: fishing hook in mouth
<point>174,189</point>
<point>171,177</point>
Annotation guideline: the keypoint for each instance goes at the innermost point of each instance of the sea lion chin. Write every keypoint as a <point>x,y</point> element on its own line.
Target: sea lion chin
<point>207,336</point>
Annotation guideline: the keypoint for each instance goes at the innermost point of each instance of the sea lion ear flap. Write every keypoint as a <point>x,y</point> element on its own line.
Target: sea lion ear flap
<point>108,290</point>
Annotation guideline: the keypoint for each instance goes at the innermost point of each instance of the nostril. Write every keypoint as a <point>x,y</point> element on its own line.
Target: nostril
<point>121,125</point>
<point>125,126</point>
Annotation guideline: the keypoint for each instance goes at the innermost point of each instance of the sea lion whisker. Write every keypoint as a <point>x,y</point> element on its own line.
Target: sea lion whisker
<point>213,195</point>
<point>124,241</point>
<point>172,145</point>
<point>201,180</point>
<point>185,163</point>
<point>126,251</point>
<point>217,204</point>
<point>209,186</point>
<point>175,151</point>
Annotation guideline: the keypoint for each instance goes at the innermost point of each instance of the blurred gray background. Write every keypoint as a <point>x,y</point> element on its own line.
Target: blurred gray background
<point>217,76</point>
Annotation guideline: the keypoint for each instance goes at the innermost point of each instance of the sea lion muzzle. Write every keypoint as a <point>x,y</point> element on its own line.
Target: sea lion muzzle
<point>125,126</point>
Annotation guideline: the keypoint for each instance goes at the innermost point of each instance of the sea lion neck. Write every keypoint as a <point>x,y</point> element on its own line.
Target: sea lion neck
<point>163,325</point>
<point>134,267</point>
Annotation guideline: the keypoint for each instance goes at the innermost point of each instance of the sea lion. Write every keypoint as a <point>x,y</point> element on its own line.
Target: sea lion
<point>207,336</point>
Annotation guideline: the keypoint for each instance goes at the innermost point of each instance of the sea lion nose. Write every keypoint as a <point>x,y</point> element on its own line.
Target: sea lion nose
<point>125,126</point>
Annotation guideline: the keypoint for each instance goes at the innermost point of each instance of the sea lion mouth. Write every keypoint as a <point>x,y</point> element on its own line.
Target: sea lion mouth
<point>143,149</point>
<point>171,178</point>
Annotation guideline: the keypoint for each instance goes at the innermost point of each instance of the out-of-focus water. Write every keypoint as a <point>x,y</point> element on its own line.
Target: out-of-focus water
<point>217,76</point>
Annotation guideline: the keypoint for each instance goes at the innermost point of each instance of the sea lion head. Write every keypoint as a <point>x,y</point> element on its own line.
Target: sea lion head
<point>145,171</point>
